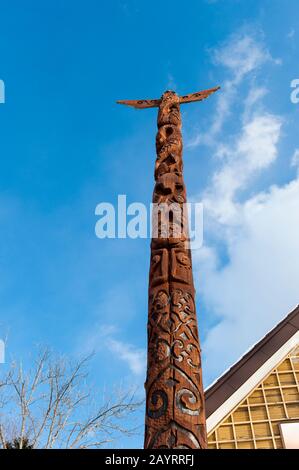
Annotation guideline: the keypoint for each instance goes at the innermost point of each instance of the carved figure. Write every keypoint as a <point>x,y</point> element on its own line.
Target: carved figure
<point>175,415</point>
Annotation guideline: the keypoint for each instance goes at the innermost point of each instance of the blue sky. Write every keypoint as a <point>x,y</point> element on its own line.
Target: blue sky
<point>65,146</point>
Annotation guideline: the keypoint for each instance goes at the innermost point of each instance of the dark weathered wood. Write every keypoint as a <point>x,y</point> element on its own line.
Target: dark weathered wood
<point>175,411</point>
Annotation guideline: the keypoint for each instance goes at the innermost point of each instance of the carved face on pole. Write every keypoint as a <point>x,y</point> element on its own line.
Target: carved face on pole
<point>175,412</point>
<point>175,415</point>
<point>169,188</point>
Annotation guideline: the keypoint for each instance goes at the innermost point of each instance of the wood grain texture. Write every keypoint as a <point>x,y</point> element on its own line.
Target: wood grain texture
<point>143,104</point>
<point>175,415</point>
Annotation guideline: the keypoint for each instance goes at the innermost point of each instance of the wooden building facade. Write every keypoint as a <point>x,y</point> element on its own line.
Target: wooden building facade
<point>255,404</point>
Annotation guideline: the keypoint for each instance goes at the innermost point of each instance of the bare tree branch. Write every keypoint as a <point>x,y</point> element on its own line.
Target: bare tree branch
<point>50,406</point>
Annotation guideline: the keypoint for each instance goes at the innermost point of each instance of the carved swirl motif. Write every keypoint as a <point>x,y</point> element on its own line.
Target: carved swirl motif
<point>185,399</point>
<point>159,400</point>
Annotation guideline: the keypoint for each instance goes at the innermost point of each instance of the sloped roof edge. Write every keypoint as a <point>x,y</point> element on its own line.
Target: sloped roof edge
<point>232,379</point>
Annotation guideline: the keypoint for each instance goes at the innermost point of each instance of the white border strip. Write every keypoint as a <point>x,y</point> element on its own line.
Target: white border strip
<point>251,383</point>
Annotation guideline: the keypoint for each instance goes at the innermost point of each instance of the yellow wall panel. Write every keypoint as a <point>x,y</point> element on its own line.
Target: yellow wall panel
<point>254,423</point>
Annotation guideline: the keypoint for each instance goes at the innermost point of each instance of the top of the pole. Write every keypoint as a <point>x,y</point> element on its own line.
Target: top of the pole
<point>142,104</point>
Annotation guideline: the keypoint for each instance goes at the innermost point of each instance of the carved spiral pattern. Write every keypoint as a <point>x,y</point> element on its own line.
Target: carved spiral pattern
<point>159,400</point>
<point>175,416</point>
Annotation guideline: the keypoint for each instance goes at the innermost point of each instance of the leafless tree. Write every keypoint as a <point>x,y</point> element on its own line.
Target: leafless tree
<point>51,406</point>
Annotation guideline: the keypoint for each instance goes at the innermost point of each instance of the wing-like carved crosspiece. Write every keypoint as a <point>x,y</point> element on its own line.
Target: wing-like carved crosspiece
<point>142,104</point>
<point>175,411</point>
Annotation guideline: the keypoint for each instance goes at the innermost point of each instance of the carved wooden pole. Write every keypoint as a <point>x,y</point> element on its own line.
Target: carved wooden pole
<point>175,414</point>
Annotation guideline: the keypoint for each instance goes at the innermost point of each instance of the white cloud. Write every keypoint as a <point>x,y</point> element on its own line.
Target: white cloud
<point>135,358</point>
<point>104,333</point>
<point>247,271</point>
<point>259,284</point>
<point>103,337</point>
<point>250,152</point>
<point>295,158</point>
<point>241,56</point>
<point>253,99</point>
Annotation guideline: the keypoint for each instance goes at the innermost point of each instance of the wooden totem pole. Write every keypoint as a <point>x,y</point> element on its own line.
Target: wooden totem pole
<point>175,411</point>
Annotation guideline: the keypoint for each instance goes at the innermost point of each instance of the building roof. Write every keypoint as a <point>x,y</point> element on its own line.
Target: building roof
<point>234,378</point>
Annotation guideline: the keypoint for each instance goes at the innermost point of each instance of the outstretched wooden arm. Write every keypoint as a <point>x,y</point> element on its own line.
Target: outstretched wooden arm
<point>199,96</point>
<point>142,104</point>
